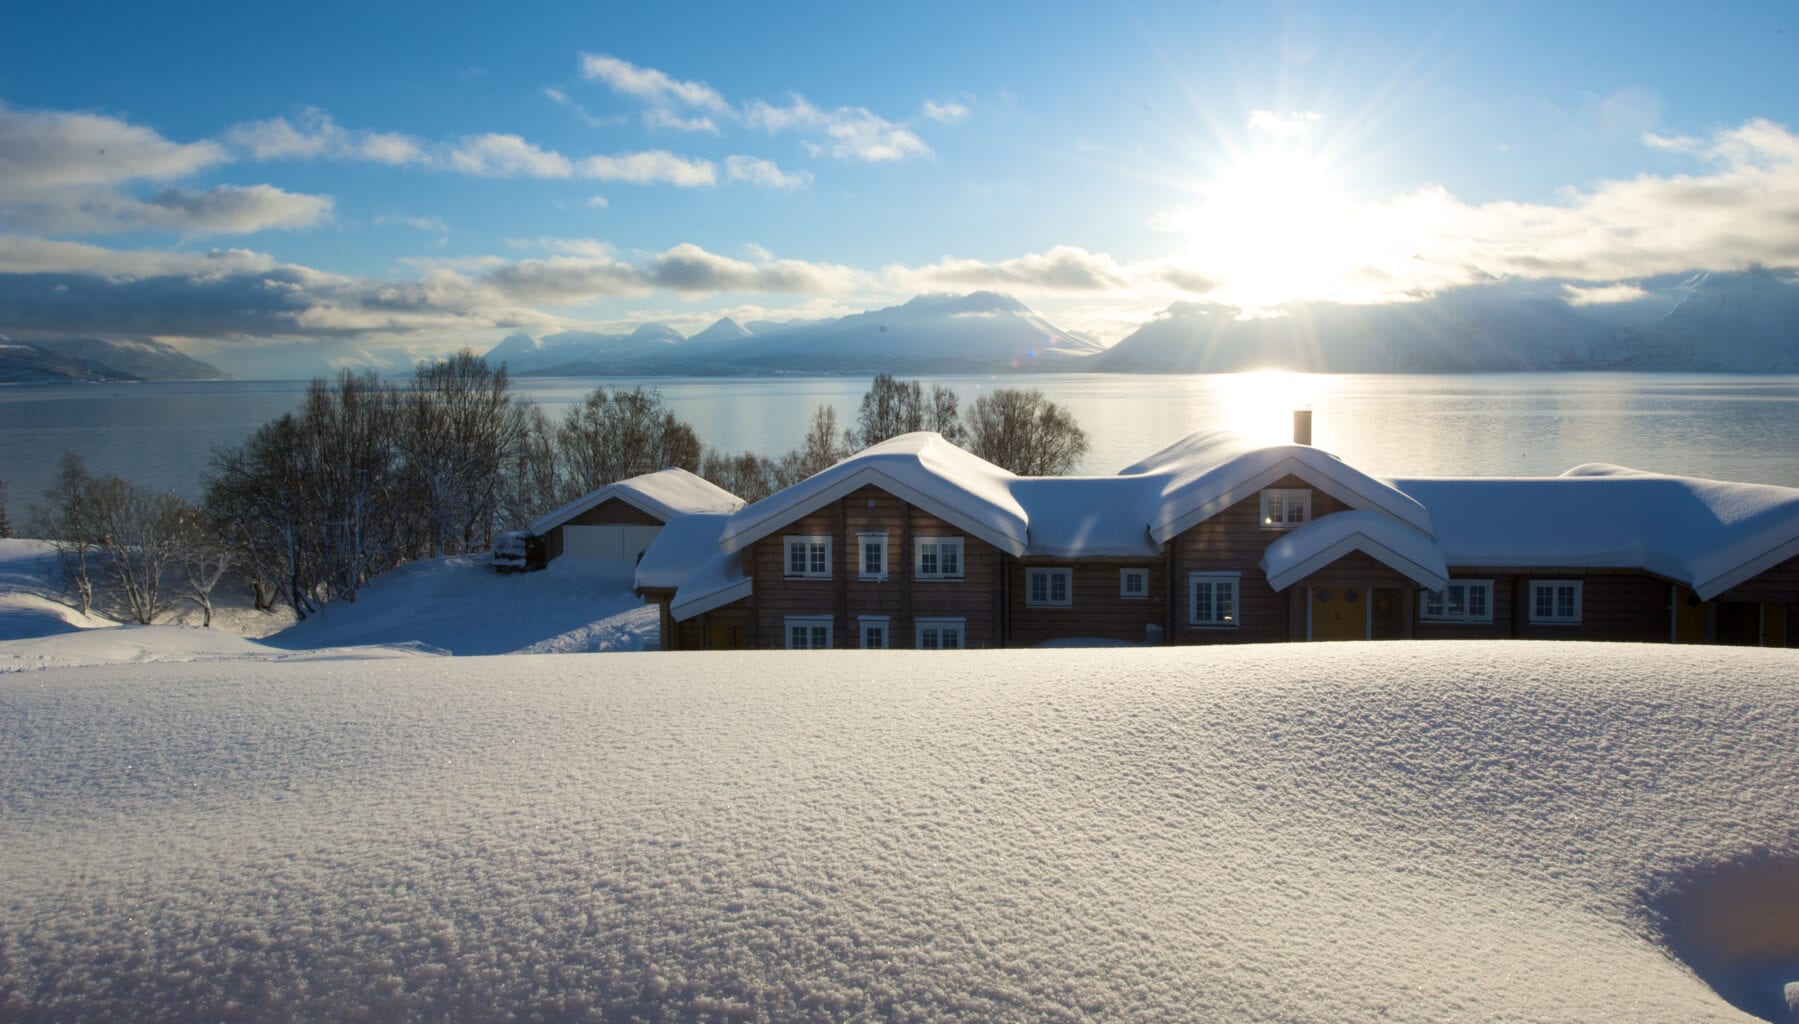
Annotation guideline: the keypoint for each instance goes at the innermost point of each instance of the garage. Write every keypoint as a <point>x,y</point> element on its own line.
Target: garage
<point>610,542</point>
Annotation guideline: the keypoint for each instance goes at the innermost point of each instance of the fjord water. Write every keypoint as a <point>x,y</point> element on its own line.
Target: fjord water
<point>1730,427</point>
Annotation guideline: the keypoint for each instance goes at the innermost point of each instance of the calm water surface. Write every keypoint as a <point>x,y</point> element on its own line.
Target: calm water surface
<point>1724,426</point>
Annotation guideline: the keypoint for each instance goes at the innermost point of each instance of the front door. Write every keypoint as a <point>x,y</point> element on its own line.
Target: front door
<point>1339,613</point>
<point>1689,617</point>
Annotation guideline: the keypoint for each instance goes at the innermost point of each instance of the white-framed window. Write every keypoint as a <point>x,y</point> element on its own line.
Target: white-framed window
<point>874,632</point>
<point>808,557</point>
<point>1212,599</point>
<point>871,563</point>
<point>1283,509</point>
<point>808,632</point>
<point>940,634</point>
<point>1133,583</point>
<point>937,558</point>
<point>1461,601</point>
<point>1049,588</point>
<point>1555,600</point>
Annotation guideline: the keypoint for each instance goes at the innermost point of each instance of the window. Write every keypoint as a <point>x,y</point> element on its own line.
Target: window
<point>1555,600</point>
<point>940,634</point>
<point>874,632</point>
<point>1461,601</point>
<point>873,563</point>
<point>939,558</point>
<point>1133,583</point>
<point>808,633</point>
<point>809,557</point>
<point>1285,509</point>
<point>1049,587</point>
<point>1212,599</point>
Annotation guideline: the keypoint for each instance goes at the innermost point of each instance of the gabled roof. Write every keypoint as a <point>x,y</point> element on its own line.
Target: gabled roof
<point>1309,548</point>
<point>954,485</point>
<point>1708,534</point>
<point>685,558</point>
<point>665,494</point>
<point>1203,474</point>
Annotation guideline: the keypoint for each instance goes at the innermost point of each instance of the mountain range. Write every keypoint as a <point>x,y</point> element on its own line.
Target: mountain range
<point>1745,322</point>
<point>70,360</point>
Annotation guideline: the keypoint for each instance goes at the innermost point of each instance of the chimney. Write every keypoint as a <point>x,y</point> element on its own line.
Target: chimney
<point>1302,426</point>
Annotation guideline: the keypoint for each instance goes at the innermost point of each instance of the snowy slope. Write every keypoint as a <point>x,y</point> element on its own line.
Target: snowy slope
<point>1402,832</point>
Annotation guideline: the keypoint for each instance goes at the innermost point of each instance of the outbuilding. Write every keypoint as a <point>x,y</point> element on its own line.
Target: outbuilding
<point>615,523</point>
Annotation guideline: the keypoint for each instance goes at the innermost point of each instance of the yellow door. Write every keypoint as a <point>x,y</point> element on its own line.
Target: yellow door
<point>1774,624</point>
<point>1339,613</point>
<point>1689,617</point>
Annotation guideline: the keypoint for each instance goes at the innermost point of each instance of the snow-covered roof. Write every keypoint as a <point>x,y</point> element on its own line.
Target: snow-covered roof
<point>1708,534</point>
<point>665,494</point>
<point>1303,551</point>
<point>1204,473</point>
<point>686,558</point>
<point>956,486</point>
<point>1088,517</point>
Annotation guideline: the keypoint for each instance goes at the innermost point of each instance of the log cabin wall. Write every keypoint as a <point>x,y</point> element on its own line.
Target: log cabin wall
<point>1234,541</point>
<point>848,594</point>
<point>1098,608</point>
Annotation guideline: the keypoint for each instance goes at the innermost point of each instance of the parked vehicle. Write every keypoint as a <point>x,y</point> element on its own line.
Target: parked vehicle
<point>519,551</point>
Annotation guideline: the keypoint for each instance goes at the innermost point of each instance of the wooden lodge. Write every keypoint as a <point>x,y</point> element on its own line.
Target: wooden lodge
<point>916,543</point>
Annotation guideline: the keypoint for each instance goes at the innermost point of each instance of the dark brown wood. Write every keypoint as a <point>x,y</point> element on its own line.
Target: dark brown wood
<point>840,568</point>
<point>1098,611</point>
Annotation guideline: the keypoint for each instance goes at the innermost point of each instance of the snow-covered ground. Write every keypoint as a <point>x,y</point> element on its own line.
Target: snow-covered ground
<point>444,606</point>
<point>1401,831</point>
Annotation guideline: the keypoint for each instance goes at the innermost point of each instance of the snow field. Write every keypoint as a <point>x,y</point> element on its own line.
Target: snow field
<point>1412,832</point>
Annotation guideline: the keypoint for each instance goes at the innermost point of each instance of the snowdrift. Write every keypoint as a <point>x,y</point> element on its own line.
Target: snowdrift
<point>1409,832</point>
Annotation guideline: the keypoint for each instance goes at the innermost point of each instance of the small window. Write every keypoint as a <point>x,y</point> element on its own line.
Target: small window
<point>1051,588</point>
<point>874,632</point>
<point>1285,509</point>
<point>809,557</point>
<point>1212,599</point>
<point>1555,600</point>
<point>1133,583</point>
<point>808,633</point>
<point>939,558</point>
<point>940,634</point>
<point>1461,601</point>
<point>873,563</point>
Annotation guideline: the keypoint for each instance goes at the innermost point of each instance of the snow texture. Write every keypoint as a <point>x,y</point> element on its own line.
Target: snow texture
<point>1309,548</point>
<point>665,494</point>
<point>1506,831</point>
<point>1709,534</point>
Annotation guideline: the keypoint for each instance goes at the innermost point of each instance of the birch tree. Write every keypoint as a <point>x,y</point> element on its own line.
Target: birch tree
<point>1020,430</point>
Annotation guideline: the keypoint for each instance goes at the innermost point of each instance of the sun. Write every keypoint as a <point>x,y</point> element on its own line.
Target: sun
<point>1274,226</point>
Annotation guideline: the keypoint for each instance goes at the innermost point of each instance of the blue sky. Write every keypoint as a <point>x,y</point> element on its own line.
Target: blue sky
<point>416,177</point>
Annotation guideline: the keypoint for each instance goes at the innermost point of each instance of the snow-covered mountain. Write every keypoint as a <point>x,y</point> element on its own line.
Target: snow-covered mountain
<point>1746,322</point>
<point>84,359</point>
<point>580,352</point>
<point>723,329</point>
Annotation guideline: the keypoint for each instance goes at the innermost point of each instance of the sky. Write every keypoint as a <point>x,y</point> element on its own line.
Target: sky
<point>239,179</point>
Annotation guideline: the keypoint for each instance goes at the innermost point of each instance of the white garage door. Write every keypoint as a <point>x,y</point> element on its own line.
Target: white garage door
<point>607,543</point>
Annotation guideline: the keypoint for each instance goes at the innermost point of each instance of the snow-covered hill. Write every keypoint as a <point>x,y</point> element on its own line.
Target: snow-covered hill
<point>1401,832</point>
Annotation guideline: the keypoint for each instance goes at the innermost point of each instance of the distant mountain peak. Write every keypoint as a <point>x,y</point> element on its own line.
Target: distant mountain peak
<point>723,329</point>
<point>657,332</point>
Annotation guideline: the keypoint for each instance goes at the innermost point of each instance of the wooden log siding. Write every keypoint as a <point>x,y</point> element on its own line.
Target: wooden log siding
<point>1098,609</point>
<point>1234,541</point>
<point>847,596</point>
<point>1382,586</point>
<point>1615,604</point>
<point>611,512</point>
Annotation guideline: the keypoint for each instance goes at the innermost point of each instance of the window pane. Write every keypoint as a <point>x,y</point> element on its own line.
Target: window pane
<point>1227,601</point>
<point>796,559</point>
<point>1477,602</point>
<point>1202,602</point>
<point>927,560</point>
<point>952,559</point>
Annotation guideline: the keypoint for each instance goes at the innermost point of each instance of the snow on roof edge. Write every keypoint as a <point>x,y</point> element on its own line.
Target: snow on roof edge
<point>650,493</point>
<point>1306,549</point>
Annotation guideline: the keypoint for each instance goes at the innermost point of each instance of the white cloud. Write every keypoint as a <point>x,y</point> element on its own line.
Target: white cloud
<point>1603,294</point>
<point>598,202</point>
<point>847,133</point>
<point>764,173</point>
<point>53,150</point>
<point>504,156</point>
<point>1064,268</point>
<point>1283,126</point>
<point>22,254</point>
<point>317,136</point>
<point>649,85</point>
<point>569,103</point>
<point>420,223</point>
<point>947,112</point>
<point>662,117</point>
<point>1673,143</point>
<point>690,269</point>
<point>650,167</point>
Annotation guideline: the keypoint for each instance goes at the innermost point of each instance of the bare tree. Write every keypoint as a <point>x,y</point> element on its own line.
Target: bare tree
<point>204,555</point>
<point>260,493</point>
<point>823,446</point>
<point>349,453</point>
<point>620,434</point>
<point>68,524</point>
<point>893,407</point>
<point>750,476</point>
<point>532,480</point>
<point>455,436</point>
<point>140,534</point>
<point>1026,433</point>
<point>5,520</point>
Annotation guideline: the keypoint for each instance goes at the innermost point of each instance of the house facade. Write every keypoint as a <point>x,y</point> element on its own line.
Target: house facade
<point>916,543</point>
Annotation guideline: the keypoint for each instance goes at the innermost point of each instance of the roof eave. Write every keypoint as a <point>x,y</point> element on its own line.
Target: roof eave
<point>1423,575</point>
<point>736,540</point>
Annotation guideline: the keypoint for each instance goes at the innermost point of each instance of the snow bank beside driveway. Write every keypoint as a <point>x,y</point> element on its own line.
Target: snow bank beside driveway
<point>1410,832</point>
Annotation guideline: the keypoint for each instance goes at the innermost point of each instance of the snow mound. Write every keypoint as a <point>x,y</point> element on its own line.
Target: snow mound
<point>1735,922</point>
<point>459,605</point>
<point>1401,831</point>
<point>29,604</point>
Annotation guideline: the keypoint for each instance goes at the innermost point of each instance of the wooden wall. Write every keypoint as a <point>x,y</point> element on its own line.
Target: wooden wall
<point>1098,611</point>
<point>611,511</point>
<point>899,597</point>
